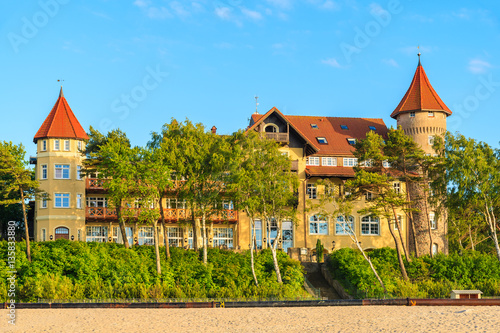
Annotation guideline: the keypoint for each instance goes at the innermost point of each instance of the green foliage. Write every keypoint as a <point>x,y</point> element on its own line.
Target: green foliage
<point>78,270</point>
<point>429,277</point>
<point>319,251</point>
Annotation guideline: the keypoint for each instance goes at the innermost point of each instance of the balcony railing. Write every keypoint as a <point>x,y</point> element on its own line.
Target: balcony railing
<point>280,137</point>
<point>171,214</point>
<point>94,184</point>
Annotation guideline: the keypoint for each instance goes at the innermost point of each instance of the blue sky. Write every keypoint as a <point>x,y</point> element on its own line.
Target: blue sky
<point>135,64</point>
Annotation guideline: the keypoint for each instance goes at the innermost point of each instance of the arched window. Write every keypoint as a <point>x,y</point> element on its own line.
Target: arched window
<point>342,227</point>
<point>271,128</point>
<point>434,249</point>
<point>370,225</point>
<point>62,232</point>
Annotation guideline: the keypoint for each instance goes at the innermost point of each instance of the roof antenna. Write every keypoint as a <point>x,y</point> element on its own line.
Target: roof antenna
<point>256,104</point>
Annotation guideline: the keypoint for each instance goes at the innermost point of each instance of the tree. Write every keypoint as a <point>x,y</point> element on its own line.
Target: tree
<point>372,177</point>
<point>114,162</point>
<point>17,182</point>
<point>472,179</point>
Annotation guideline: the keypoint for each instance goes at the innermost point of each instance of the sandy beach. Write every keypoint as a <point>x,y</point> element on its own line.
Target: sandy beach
<point>310,319</point>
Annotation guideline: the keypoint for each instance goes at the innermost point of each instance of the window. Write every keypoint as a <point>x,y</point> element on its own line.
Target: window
<point>287,235</point>
<point>368,196</point>
<point>44,203</point>
<point>66,145</point>
<point>372,128</point>
<point>431,140</point>
<point>44,172</point>
<point>351,141</point>
<point>258,234</point>
<point>328,161</point>
<point>397,187</point>
<point>314,126</point>
<point>117,235</point>
<point>342,227</point>
<point>272,232</point>
<point>79,235</point>
<point>146,236</point>
<point>432,219</point>
<point>79,201</point>
<point>97,202</point>
<point>344,127</point>
<point>223,237</point>
<point>227,204</point>
<point>367,163</point>
<point>56,144</point>
<point>61,171</point>
<point>174,235</point>
<point>350,161</point>
<point>97,234</point>
<point>44,145</point>
<point>312,160</point>
<point>311,191</point>
<point>400,221</point>
<point>434,249</point>
<point>430,114</point>
<point>61,200</point>
<point>79,172</point>
<point>190,238</point>
<point>271,128</point>
<point>386,164</point>
<point>321,140</point>
<point>318,225</point>
<point>370,225</point>
<point>175,203</point>
<point>79,144</point>
<point>44,235</point>
<point>412,114</point>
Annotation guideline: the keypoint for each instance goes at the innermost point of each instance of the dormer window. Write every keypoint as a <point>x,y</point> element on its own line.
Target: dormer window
<point>351,141</point>
<point>412,114</point>
<point>321,140</point>
<point>372,128</point>
<point>314,126</point>
<point>344,127</point>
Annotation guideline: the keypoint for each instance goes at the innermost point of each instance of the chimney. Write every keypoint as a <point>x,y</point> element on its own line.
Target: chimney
<point>214,129</point>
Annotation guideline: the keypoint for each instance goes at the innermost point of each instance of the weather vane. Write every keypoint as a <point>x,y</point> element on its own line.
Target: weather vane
<point>256,104</point>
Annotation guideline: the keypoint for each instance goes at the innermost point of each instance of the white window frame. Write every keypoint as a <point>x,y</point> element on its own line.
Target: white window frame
<point>223,237</point>
<point>67,146</point>
<point>97,202</point>
<point>97,234</point>
<point>369,196</point>
<point>329,161</point>
<point>44,169</point>
<point>63,199</point>
<point>311,191</point>
<point>258,234</point>
<point>57,145</point>
<point>312,160</point>
<point>350,162</point>
<point>340,223</point>
<point>145,236</point>
<point>79,145</point>
<point>79,198</point>
<point>397,187</point>
<point>430,114</point>
<point>64,169</point>
<point>322,140</point>
<point>432,219</point>
<point>43,203</point>
<point>318,225</point>
<point>44,235</point>
<point>386,164</point>
<point>44,145</point>
<point>434,249</point>
<point>351,141</point>
<point>370,222</point>
<point>400,220</point>
<point>174,236</point>
<point>78,172</point>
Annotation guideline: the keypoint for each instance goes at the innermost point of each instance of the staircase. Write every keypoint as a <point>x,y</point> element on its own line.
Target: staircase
<point>316,279</point>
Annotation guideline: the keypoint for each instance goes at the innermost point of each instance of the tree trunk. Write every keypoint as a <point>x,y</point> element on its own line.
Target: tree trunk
<point>471,240</point>
<point>400,258</point>
<point>204,231</point>
<point>157,247</point>
<point>252,246</point>
<point>28,249</point>
<point>275,257</point>
<point>492,223</point>
<point>409,216</point>
<point>195,231</point>
<point>428,222</point>
<point>396,221</point>
<point>122,225</point>
<point>164,230</point>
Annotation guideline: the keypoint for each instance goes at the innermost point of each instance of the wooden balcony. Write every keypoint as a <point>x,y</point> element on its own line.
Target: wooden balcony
<point>280,137</point>
<point>94,184</point>
<point>171,214</point>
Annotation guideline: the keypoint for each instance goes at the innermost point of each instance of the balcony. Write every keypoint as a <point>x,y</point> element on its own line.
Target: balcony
<point>280,137</point>
<point>94,184</point>
<point>171,214</point>
<point>295,165</point>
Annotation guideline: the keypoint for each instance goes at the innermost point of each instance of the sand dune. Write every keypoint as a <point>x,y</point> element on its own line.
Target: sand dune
<point>310,319</point>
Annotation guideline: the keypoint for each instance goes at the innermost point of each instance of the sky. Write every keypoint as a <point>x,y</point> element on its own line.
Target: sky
<point>136,64</point>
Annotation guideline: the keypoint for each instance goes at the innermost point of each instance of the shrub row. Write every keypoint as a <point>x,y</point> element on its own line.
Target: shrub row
<point>428,277</point>
<point>78,270</point>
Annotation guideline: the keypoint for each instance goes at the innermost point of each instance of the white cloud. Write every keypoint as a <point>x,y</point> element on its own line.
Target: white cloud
<point>478,66</point>
<point>158,13</point>
<point>332,62</point>
<point>330,5</point>
<point>283,4</point>
<point>142,3</point>
<point>254,15</point>
<point>390,62</point>
<point>179,9</point>
<point>223,12</point>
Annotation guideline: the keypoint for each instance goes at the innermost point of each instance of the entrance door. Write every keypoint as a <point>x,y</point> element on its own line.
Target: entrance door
<point>62,232</point>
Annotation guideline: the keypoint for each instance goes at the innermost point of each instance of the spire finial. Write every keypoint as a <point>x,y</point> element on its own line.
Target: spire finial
<point>61,92</point>
<point>418,47</point>
<point>256,104</point>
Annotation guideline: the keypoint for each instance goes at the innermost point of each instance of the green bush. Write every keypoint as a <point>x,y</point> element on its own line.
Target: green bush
<point>429,277</point>
<point>78,270</point>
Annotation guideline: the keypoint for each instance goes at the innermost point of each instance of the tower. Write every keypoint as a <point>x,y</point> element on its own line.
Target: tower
<point>422,115</point>
<point>59,162</point>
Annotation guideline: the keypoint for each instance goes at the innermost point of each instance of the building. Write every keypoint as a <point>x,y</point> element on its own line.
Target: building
<point>319,147</point>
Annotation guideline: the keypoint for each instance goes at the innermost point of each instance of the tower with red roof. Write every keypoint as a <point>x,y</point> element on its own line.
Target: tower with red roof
<point>59,161</point>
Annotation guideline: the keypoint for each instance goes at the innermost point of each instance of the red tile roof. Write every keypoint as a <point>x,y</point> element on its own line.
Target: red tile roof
<point>61,123</point>
<point>420,96</point>
<point>312,171</point>
<point>336,137</point>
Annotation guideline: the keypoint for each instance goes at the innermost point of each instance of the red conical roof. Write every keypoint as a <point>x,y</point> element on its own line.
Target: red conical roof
<point>420,96</point>
<point>61,123</point>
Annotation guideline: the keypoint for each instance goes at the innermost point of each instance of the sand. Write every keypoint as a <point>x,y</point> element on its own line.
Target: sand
<point>310,319</point>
